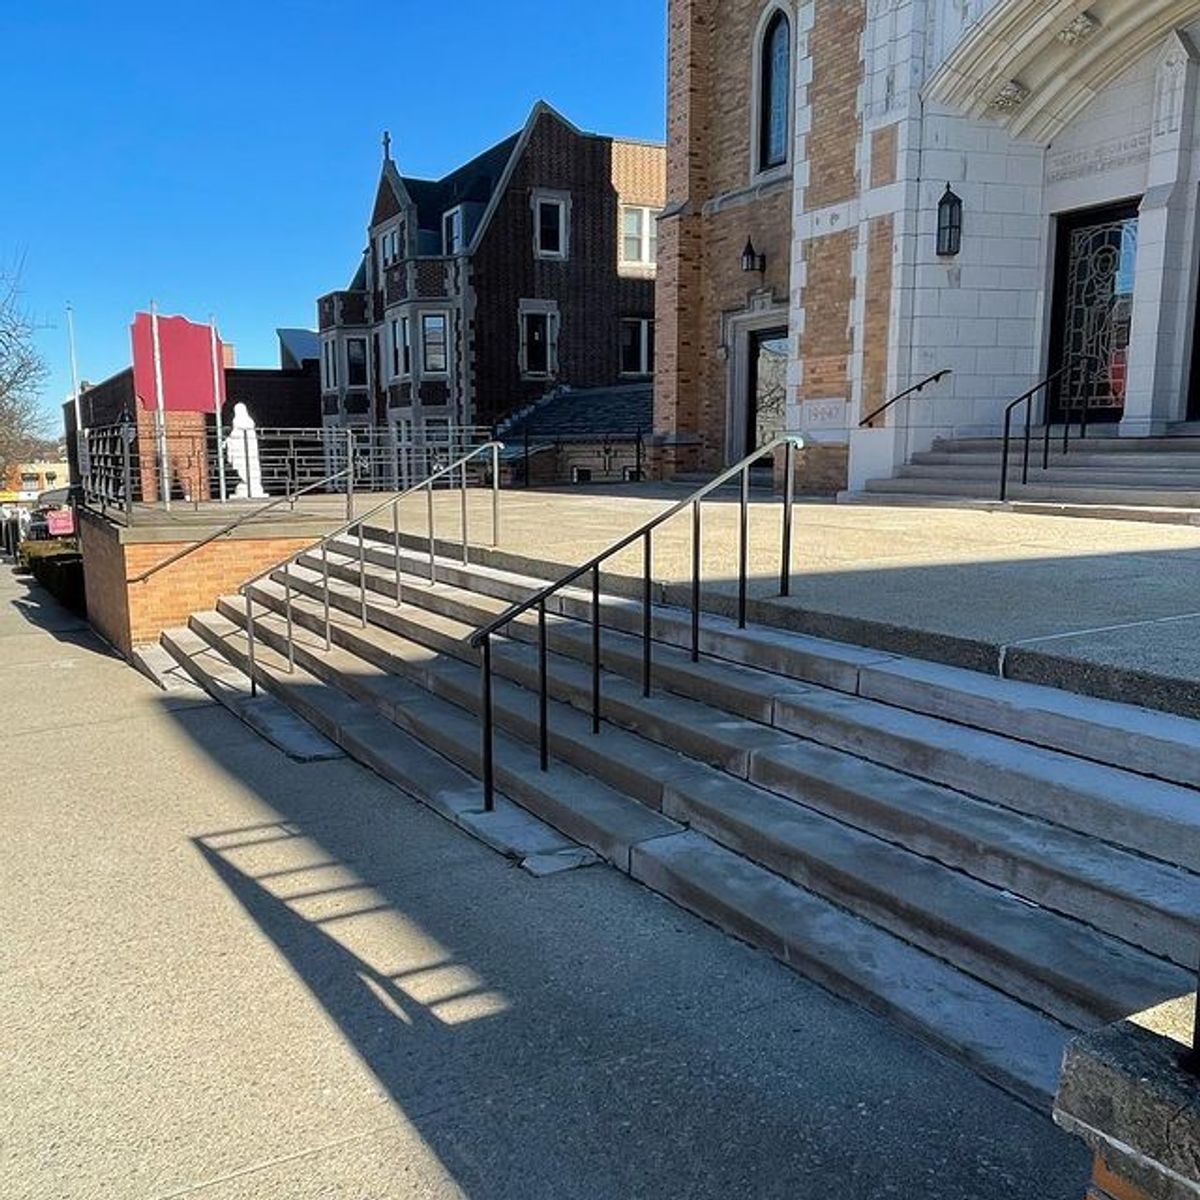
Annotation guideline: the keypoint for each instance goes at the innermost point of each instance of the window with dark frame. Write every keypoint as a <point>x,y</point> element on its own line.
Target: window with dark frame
<point>551,215</point>
<point>774,86</point>
<point>405,348</point>
<point>637,346</point>
<point>356,362</point>
<point>537,343</point>
<point>433,342</point>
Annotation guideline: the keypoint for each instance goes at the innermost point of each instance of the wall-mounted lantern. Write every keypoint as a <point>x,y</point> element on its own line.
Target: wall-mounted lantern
<point>949,223</point>
<point>752,260</point>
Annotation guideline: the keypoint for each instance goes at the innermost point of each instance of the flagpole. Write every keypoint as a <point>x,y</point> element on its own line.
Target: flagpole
<point>164,472</point>
<point>212,325</point>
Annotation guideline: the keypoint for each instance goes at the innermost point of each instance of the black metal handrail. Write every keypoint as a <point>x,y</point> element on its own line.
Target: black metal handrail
<point>916,387</point>
<point>358,522</point>
<point>482,638</point>
<point>1027,399</point>
<point>230,526</point>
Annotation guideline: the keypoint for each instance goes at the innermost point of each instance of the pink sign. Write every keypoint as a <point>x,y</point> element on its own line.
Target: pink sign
<point>60,522</point>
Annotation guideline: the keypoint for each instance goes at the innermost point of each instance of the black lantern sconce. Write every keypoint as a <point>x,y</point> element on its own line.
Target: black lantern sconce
<point>949,224</point>
<point>752,260</point>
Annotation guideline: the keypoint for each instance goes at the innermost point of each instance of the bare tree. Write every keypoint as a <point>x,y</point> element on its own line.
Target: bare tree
<point>22,373</point>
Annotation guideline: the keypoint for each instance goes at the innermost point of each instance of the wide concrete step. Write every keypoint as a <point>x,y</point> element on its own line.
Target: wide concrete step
<point>1072,474</point>
<point>1081,458</point>
<point>1002,1039</point>
<point>1107,494</point>
<point>1150,816</point>
<point>230,686</point>
<point>1043,957</point>
<point>1061,966</point>
<point>1099,440</point>
<point>576,804</point>
<point>739,669</point>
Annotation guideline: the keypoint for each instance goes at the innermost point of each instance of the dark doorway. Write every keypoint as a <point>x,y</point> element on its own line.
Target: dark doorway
<point>766,402</point>
<point>1091,313</point>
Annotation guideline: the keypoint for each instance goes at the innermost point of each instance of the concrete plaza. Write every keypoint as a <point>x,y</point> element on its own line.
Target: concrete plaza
<point>226,974</point>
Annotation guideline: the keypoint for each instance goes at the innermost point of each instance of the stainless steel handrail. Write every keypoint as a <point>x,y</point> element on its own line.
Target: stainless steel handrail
<point>482,638</point>
<point>358,522</point>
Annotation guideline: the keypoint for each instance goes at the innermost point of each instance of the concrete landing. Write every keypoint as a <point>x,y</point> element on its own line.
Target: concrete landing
<point>1105,608</point>
<point>229,974</point>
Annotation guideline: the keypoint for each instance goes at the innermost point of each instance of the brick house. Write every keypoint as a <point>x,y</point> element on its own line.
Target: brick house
<point>530,268</point>
<point>1053,145</point>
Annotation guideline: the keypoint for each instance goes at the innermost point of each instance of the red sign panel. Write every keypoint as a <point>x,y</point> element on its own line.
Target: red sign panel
<point>185,352</point>
<point>60,522</point>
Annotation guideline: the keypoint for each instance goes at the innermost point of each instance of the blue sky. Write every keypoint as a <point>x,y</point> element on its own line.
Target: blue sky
<point>221,158</point>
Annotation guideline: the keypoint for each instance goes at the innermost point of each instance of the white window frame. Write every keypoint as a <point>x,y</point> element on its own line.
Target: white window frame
<point>329,365</point>
<point>645,366</point>
<point>538,308</point>
<point>647,239</point>
<point>405,347</point>
<point>457,223</point>
<point>426,370</point>
<point>388,248</point>
<point>561,201</point>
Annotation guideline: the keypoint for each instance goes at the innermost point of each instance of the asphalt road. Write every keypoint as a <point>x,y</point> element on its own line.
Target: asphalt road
<point>225,974</point>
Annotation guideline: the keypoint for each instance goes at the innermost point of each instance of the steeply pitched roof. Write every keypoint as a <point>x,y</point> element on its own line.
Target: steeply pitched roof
<point>589,414</point>
<point>298,344</point>
<point>473,182</point>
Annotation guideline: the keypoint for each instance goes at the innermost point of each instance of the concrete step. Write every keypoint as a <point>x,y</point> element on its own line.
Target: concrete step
<point>1073,475</point>
<point>1101,439</point>
<point>1001,1037</point>
<point>1061,966</point>
<point>1153,817</point>
<point>1108,494</point>
<point>1080,458</point>
<point>230,686</point>
<point>576,804</point>
<point>1045,958</point>
<point>1004,1040</point>
<point>1124,736</point>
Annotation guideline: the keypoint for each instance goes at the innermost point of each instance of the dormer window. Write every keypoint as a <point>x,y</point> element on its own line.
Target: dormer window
<point>390,247</point>
<point>774,92</point>
<point>551,224</point>
<point>452,232</point>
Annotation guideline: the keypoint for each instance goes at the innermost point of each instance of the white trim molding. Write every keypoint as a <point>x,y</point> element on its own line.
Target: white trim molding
<point>1032,65</point>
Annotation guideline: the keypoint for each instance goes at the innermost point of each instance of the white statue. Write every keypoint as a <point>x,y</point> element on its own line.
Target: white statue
<point>241,452</point>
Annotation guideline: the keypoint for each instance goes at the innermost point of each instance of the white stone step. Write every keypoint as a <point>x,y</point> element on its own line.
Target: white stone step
<point>1108,494</point>
<point>1004,1040</point>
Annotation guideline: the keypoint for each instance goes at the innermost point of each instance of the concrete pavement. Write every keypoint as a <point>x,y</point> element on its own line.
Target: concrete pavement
<point>227,974</point>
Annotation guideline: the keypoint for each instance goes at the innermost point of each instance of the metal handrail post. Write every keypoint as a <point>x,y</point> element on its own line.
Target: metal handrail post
<point>639,457</point>
<point>127,469</point>
<point>287,608</point>
<point>647,616</point>
<point>543,693</point>
<point>463,510</point>
<point>362,574</point>
<point>1028,431</point>
<point>1004,455</point>
<point>396,554</point>
<point>789,498</point>
<point>349,474</point>
<point>250,642</point>
<point>325,594</point>
<point>743,544</point>
<point>488,750</point>
<point>596,648</point>
<point>432,544</point>
<point>495,495</point>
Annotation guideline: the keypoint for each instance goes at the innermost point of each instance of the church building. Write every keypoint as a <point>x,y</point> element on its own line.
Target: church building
<point>865,194</point>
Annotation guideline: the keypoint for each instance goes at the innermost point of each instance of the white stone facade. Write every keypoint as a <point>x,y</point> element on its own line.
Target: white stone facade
<point>1030,112</point>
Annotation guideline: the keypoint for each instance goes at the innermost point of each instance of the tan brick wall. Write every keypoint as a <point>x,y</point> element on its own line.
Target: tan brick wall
<point>828,293</point>
<point>877,314</point>
<point>833,97</point>
<point>128,615</point>
<point>639,173</point>
<point>884,151</point>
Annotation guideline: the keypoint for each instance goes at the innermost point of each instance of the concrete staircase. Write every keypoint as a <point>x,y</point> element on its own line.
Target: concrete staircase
<point>990,864</point>
<point>1102,469</point>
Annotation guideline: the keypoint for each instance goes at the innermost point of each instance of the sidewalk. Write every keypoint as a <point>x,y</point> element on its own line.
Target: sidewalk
<point>228,975</point>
